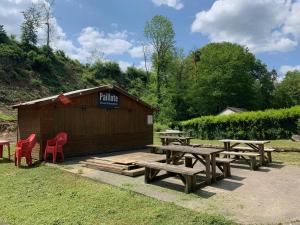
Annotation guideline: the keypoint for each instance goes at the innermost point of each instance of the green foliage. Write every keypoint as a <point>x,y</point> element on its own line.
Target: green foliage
<point>158,127</point>
<point>225,75</point>
<point>159,30</point>
<point>269,124</point>
<point>287,92</point>
<point>29,27</point>
<point>3,36</point>
<point>6,118</point>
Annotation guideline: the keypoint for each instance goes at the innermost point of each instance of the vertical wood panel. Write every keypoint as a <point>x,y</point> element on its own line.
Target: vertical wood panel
<point>92,129</point>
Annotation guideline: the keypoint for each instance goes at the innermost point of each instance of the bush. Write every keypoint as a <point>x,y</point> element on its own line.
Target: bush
<point>269,124</point>
<point>158,127</point>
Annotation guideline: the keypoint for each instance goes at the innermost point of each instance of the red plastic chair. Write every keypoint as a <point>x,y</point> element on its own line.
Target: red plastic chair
<point>24,149</point>
<point>55,145</point>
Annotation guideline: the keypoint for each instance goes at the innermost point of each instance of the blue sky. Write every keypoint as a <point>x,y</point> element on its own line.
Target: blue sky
<point>114,28</point>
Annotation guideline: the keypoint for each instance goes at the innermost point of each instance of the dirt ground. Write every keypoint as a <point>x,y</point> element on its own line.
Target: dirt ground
<point>267,196</point>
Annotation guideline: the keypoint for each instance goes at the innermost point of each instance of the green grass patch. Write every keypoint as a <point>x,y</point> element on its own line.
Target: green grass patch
<point>6,118</point>
<point>288,158</point>
<point>47,195</point>
<point>284,143</point>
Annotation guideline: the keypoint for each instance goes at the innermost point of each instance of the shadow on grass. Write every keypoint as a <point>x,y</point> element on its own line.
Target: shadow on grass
<point>5,160</point>
<point>35,164</point>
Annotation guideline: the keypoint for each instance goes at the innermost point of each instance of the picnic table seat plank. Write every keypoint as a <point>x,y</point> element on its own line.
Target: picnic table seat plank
<point>187,175</point>
<point>267,150</point>
<point>170,168</point>
<point>252,157</point>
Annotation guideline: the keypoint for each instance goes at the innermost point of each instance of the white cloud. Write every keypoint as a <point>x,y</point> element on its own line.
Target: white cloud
<point>261,25</point>
<point>90,38</point>
<point>90,45</point>
<point>140,65</point>
<point>136,52</point>
<point>124,65</point>
<point>11,16</point>
<point>176,4</point>
<point>286,68</point>
<point>292,24</point>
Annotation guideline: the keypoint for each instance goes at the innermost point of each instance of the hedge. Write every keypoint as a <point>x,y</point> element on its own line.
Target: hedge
<point>269,124</point>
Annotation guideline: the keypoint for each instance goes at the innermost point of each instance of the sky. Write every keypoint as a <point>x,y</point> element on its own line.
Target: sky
<point>114,29</point>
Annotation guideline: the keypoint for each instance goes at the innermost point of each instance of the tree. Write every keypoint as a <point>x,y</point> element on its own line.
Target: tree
<point>45,9</point>
<point>3,36</point>
<point>224,78</point>
<point>287,92</point>
<point>29,27</point>
<point>159,30</point>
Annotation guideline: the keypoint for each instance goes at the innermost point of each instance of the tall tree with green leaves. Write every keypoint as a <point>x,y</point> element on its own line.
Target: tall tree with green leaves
<point>3,36</point>
<point>224,78</point>
<point>29,26</point>
<point>287,92</point>
<point>159,30</point>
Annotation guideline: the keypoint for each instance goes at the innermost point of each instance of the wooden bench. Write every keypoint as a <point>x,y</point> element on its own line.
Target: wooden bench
<point>187,175</point>
<point>252,157</point>
<point>222,163</point>
<point>267,150</point>
<point>153,148</point>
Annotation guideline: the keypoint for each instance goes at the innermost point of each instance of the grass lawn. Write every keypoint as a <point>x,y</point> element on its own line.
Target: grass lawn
<point>273,143</point>
<point>46,195</point>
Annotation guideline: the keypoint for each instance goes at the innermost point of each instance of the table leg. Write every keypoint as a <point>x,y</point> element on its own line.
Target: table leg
<point>1,151</point>
<point>225,146</point>
<point>8,150</point>
<point>207,167</point>
<point>262,155</point>
<point>168,156</point>
<point>213,168</point>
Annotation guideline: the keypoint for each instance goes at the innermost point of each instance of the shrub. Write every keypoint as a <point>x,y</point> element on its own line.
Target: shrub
<point>269,124</point>
<point>160,127</point>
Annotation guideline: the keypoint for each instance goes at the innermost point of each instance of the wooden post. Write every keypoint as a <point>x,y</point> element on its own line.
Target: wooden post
<point>253,163</point>
<point>269,157</point>
<point>188,162</point>
<point>262,155</point>
<point>168,156</point>
<point>207,169</point>
<point>188,184</point>
<point>213,168</point>
<point>147,175</point>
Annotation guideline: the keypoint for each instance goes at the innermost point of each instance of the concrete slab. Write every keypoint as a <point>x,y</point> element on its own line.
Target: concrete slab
<point>267,196</point>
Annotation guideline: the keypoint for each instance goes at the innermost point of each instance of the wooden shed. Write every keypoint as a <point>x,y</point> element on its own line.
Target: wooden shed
<point>97,120</point>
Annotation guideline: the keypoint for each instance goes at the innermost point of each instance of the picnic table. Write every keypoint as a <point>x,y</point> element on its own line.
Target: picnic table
<point>206,156</point>
<point>257,146</point>
<point>170,133</point>
<point>167,139</point>
<point>2,144</point>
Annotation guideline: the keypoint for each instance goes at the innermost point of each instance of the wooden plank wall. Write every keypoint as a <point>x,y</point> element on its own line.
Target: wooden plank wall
<point>28,123</point>
<point>94,130</point>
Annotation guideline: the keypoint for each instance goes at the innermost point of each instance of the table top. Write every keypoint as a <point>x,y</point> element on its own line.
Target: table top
<point>175,137</point>
<point>170,132</point>
<point>245,141</point>
<point>3,142</point>
<point>189,149</point>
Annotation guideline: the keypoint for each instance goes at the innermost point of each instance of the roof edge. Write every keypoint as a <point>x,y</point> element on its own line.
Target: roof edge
<point>76,93</point>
